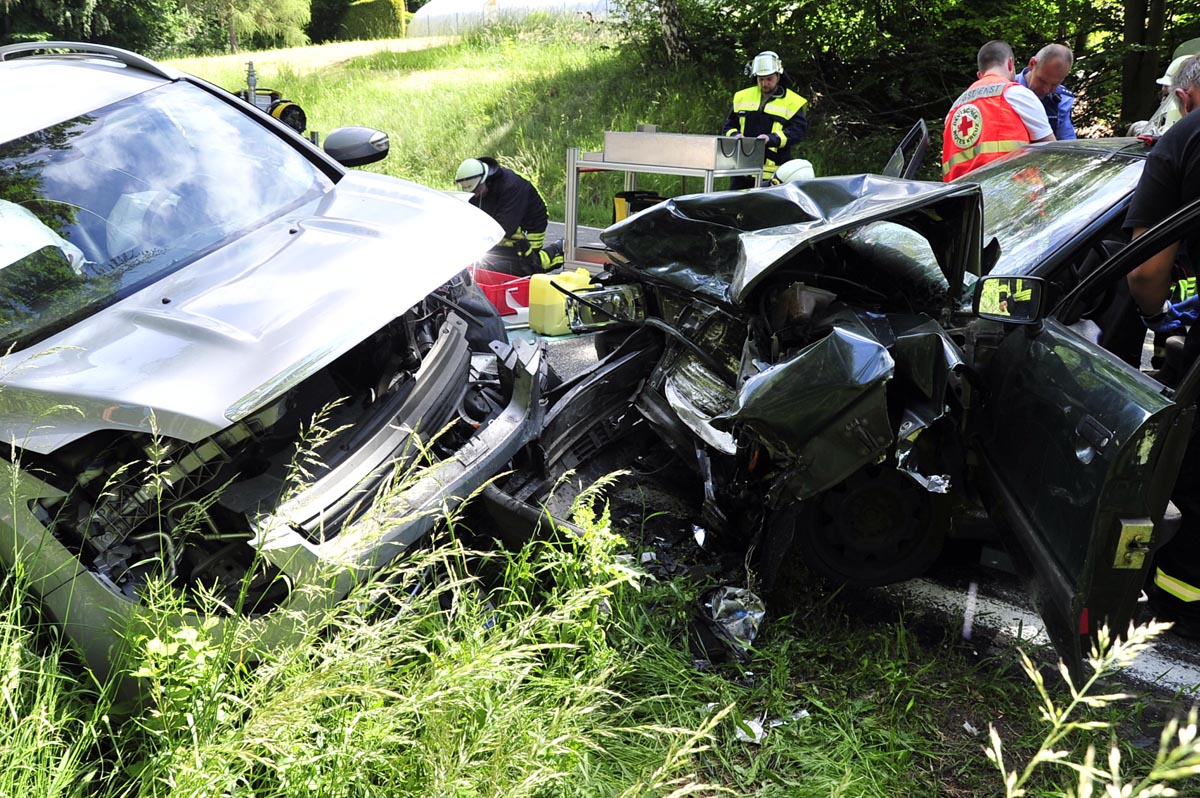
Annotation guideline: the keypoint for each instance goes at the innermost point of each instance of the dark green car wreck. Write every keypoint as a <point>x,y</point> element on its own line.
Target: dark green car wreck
<point>815,354</point>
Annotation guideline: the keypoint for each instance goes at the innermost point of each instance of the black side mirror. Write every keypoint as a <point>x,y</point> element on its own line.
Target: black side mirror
<point>1011,300</point>
<point>357,146</point>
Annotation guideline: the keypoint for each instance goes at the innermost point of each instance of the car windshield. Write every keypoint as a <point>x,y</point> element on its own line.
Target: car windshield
<point>98,207</point>
<point>1041,198</point>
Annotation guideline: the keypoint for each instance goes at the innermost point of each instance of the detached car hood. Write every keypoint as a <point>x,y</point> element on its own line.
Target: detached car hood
<point>215,340</point>
<point>721,246</point>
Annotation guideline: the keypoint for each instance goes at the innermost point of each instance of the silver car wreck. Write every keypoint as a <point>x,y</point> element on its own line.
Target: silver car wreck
<point>221,345</point>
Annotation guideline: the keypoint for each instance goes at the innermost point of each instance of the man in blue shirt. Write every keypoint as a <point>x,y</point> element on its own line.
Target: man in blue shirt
<point>1044,76</point>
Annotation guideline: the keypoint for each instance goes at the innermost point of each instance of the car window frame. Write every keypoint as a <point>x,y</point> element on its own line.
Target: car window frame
<point>325,162</point>
<point>1069,309</point>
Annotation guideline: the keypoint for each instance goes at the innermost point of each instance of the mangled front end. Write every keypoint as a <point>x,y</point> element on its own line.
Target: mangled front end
<point>808,359</point>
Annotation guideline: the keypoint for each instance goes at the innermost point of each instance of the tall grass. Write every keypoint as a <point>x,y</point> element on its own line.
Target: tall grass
<point>555,670</point>
<point>424,681</point>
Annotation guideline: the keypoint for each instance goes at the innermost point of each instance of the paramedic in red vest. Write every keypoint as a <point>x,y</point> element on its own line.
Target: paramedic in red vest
<point>995,116</point>
<point>768,110</point>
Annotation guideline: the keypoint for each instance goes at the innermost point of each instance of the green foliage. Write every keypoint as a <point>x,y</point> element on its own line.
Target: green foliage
<point>268,22</point>
<point>148,26</point>
<point>326,22</point>
<point>1178,754</point>
<point>569,676</point>
<point>872,70</point>
<point>373,19</point>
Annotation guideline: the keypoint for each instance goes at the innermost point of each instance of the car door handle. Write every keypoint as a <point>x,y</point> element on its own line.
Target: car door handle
<point>1093,433</point>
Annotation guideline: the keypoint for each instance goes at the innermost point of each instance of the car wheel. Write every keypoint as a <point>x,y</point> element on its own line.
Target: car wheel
<point>876,527</point>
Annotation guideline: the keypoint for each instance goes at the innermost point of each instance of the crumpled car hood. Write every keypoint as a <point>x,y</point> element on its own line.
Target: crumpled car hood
<point>224,335</point>
<point>722,245</point>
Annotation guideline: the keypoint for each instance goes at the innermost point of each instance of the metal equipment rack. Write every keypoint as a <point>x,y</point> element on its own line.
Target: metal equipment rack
<point>685,164</point>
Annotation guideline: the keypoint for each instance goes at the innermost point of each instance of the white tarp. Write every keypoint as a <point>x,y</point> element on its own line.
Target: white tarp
<point>450,17</point>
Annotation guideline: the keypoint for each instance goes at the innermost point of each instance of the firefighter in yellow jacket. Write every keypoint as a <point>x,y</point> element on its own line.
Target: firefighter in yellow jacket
<point>769,110</point>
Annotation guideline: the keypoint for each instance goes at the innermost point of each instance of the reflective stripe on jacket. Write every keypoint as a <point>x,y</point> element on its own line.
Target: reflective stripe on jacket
<point>1175,586</point>
<point>782,118</point>
<point>980,128</point>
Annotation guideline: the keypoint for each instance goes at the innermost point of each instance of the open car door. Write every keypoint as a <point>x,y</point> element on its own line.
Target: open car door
<point>908,156</point>
<point>1080,452</point>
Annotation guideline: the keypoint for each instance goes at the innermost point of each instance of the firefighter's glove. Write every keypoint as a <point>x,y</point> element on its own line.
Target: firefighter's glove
<point>1174,318</point>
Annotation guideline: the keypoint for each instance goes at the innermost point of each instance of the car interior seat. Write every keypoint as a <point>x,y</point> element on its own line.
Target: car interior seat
<point>1121,329</point>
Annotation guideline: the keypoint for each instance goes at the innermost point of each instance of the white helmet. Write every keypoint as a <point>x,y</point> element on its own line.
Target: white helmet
<point>766,63</point>
<point>470,174</point>
<point>1169,75</point>
<point>793,171</point>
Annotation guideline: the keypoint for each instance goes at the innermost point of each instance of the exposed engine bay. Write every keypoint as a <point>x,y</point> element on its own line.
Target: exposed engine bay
<point>799,353</point>
<point>142,505</point>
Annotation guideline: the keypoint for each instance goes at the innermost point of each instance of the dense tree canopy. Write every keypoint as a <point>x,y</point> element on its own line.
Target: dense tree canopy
<point>886,62</point>
<point>159,27</point>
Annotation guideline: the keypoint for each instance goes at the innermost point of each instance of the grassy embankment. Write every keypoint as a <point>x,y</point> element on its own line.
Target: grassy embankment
<point>524,101</point>
<point>575,678</point>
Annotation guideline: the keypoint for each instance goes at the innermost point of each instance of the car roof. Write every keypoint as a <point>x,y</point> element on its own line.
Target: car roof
<point>1125,145</point>
<point>51,88</point>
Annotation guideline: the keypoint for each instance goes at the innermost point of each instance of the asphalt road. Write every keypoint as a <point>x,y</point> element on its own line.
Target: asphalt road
<point>984,601</point>
<point>979,600</point>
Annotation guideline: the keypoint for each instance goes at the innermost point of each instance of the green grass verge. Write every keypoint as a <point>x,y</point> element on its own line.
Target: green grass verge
<point>523,98</point>
<point>561,671</point>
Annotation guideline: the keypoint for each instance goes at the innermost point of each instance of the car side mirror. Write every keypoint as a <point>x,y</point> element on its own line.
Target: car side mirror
<point>1011,300</point>
<point>357,146</point>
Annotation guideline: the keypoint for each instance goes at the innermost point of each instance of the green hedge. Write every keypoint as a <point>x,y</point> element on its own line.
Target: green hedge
<point>374,19</point>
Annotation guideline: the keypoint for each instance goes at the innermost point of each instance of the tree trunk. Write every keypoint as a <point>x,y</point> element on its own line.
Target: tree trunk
<point>672,29</point>
<point>233,35</point>
<point>1144,21</point>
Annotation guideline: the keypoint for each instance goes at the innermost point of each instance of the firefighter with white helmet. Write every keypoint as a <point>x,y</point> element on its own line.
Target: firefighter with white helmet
<point>769,110</point>
<point>518,207</point>
<point>793,171</point>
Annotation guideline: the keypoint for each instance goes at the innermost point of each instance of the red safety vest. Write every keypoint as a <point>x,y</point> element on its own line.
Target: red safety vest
<point>980,127</point>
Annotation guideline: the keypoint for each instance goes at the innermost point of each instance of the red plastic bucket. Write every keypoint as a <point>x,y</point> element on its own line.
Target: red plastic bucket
<point>507,292</point>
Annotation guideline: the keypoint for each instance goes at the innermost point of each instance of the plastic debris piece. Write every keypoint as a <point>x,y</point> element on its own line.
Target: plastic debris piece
<point>734,614</point>
<point>775,723</point>
<point>971,729</point>
<point>700,534</point>
<point>648,557</point>
<point>750,731</point>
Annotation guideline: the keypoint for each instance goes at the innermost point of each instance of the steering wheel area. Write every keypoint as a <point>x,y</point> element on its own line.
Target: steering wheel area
<point>84,228</point>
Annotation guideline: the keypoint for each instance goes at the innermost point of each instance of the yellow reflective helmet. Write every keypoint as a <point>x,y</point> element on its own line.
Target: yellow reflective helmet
<point>766,63</point>
<point>470,174</point>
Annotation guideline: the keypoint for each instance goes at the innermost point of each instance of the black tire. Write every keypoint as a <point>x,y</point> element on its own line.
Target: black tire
<point>876,527</point>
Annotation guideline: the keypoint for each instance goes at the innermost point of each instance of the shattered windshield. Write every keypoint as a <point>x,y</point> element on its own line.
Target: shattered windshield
<point>1041,198</point>
<point>98,207</point>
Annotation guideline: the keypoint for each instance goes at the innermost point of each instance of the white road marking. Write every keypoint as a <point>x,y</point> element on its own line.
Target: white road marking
<point>1163,667</point>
